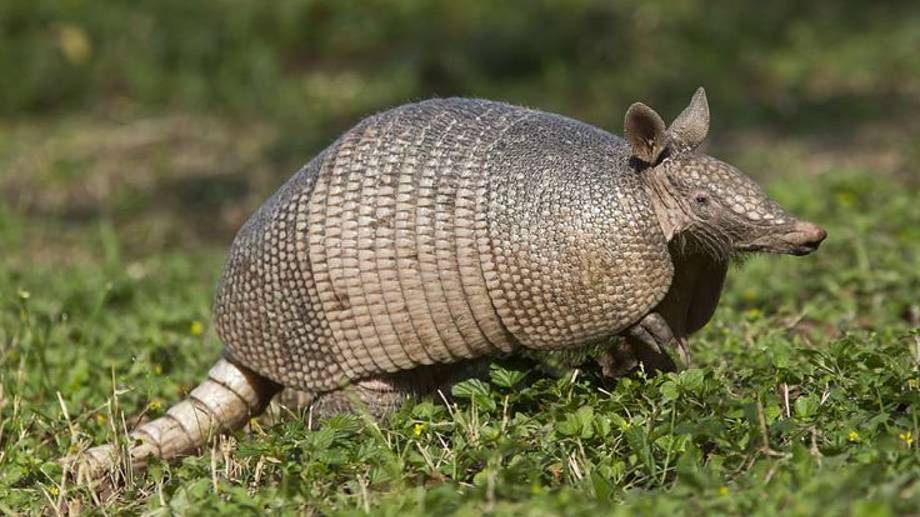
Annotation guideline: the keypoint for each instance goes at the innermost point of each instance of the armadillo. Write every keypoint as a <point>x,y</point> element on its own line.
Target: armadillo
<point>435,235</point>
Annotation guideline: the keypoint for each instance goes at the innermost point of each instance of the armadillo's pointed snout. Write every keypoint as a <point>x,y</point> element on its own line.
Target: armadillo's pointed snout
<point>805,238</point>
<point>799,238</point>
<point>813,233</point>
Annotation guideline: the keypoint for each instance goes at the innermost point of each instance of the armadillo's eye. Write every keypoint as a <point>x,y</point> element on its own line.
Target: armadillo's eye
<point>701,198</point>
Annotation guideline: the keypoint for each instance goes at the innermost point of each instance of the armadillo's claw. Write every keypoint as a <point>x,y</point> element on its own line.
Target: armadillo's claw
<point>650,342</point>
<point>683,351</point>
<point>641,334</point>
<point>656,326</point>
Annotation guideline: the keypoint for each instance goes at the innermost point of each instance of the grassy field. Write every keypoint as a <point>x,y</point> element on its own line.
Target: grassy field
<point>803,397</point>
<point>136,138</point>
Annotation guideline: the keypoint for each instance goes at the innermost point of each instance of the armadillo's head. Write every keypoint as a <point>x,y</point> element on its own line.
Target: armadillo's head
<point>703,201</point>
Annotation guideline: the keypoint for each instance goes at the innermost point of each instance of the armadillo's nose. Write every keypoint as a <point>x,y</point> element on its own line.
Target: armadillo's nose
<point>807,237</point>
<point>812,234</point>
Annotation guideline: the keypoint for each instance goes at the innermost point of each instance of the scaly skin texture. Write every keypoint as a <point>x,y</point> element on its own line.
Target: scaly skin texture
<point>440,232</point>
<point>434,235</point>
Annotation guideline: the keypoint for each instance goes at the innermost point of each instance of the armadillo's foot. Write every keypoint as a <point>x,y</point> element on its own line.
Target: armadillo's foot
<point>618,361</point>
<point>288,403</point>
<point>226,400</point>
<point>382,395</point>
<point>682,347</point>
<point>295,400</point>
<point>650,342</point>
<point>377,396</point>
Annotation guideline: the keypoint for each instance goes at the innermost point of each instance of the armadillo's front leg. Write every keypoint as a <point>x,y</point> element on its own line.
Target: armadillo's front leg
<point>655,333</point>
<point>648,342</point>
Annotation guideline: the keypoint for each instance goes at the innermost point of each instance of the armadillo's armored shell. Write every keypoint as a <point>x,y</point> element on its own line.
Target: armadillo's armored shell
<point>437,232</point>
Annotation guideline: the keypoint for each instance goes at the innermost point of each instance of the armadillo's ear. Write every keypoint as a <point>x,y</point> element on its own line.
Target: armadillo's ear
<point>645,132</point>
<point>690,128</point>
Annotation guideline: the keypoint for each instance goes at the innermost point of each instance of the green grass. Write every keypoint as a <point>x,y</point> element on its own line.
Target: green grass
<point>803,398</point>
<point>137,137</point>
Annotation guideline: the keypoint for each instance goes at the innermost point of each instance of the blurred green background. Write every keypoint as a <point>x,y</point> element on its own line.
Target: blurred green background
<point>137,136</point>
<point>176,118</point>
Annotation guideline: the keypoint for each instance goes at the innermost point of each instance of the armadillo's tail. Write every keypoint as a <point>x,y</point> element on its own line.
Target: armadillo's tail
<point>229,397</point>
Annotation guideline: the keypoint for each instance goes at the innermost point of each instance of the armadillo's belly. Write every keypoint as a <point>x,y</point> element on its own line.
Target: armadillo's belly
<point>395,228</point>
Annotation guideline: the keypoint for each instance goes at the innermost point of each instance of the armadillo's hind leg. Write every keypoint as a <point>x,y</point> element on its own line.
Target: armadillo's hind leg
<point>384,394</point>
<point>229,397</point>
<point>295,400</point>
<point>377,396</point>
<point>290,402</point>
